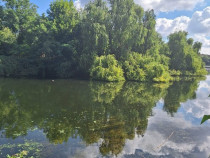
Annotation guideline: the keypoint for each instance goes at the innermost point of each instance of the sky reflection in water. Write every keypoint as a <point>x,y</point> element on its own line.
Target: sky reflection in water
<point>78,119</point>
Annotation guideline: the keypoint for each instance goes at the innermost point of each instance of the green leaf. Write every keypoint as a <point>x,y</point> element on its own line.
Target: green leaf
<point>205,118</point>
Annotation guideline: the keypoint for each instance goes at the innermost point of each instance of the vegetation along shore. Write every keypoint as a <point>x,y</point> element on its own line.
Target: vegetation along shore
<point>112,42</point>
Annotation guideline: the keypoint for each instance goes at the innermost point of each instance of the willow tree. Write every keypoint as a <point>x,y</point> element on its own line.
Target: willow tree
<point>122,28</point>
<point>94,39</point>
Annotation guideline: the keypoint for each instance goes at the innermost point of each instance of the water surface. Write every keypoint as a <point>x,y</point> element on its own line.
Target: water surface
<point>79,119</point>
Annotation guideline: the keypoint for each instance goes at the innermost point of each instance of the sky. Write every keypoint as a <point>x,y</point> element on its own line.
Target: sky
<point>192,16</point>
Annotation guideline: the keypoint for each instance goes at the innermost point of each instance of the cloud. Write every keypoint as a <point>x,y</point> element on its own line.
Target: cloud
<point>80,3</point>
<point>77,4</point>
<point>201,105</point>
<point>198,27</point>
<point>168,5</point>
<point>186,140</point>
<point>200,22</point>
<point>189,139</point>
<point>166,26</point>
<point>157,5</point>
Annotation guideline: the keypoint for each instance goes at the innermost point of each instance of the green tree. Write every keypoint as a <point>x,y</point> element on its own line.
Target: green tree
<point>55,46</point>
<point>190,41</point>
<point>122,26</point>
<point>1,16</point>
<point>19,17</point>
<point>94,39</point>
<point>64,18</point>
<point>197,47</point>
<point>7,41</point>
<point>151,36</point>
<point>182,55</point>
<point>67,41</point>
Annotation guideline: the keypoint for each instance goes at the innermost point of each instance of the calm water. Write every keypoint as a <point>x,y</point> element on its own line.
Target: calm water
<point>79,119</point>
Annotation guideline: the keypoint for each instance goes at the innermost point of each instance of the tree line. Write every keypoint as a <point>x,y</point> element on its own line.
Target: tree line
<point>206,59</point>
<point>104,42</point>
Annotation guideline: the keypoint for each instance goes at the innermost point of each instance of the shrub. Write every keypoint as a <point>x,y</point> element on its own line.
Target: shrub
<point>144,68</point>
<point>133,67</point>
<point>157,72</point>
<point>106,68</point>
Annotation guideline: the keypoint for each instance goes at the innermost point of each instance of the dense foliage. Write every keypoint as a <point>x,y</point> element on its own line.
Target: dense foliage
<point>184,56</point>
<point>106,68</point>
<point>97,42</point>
<point>142,68</point>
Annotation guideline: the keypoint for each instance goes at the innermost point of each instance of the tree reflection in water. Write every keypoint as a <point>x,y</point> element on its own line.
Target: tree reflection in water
<point>112,112</point>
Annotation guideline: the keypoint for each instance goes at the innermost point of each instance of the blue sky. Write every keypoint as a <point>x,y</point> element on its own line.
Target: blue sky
<point>188,13</point>
<point>42,4</point>
<point>192,16</point>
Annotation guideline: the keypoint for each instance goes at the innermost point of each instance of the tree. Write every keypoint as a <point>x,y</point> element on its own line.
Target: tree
<point>149,24</point>
<point>182,55</point>
<point>93,27</point>
<point>197,47</point>
<point>67,42</point>
<point>19,17</point>
<point>122,27</point>
<point>7,39</point>
<point>190,41</point>
<point>64,18</point>
<point>1,16</point>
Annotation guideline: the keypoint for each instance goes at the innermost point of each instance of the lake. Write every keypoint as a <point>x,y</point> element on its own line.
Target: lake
<point>79,119</point>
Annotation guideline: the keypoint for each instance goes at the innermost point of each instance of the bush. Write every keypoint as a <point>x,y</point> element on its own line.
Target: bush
<point>157,72</point>
<point>133,67</point>
<point>106,68</point>
<point>144,68</point>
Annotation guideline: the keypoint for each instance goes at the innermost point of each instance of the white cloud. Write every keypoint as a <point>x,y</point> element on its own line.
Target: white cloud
<point>206,42</point>
<point>166,26</point>
<point>184,140</point>
<point>157,5</point>
<point>81,3</point>
<point>200,22</point>
<point>77,4</point>
<point>201,105</point>
<point>168,5</point>
<point>198,27</point>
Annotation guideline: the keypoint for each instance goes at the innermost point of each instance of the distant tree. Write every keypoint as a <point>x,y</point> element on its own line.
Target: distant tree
<point>190,41</point>
<point>197,47</point>
<point>182,55</point>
